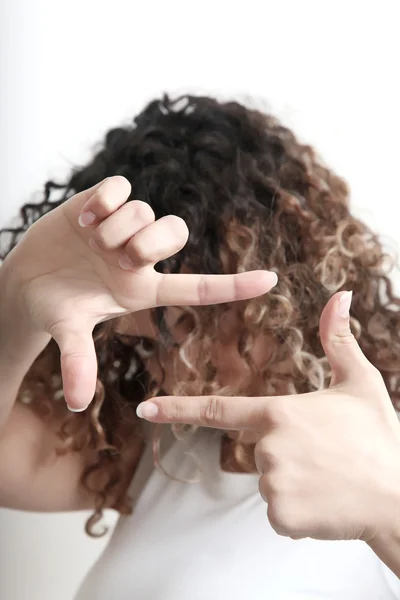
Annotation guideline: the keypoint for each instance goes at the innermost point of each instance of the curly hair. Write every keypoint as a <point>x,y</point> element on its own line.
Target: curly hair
<point>253,197</point>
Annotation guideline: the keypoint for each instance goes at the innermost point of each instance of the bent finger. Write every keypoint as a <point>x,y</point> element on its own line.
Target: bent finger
<point>110,194</point>
<point>157,241</point>
<point>117,229</point>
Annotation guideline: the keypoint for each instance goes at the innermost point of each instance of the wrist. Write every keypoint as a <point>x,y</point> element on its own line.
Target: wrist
<point>387,548</point>
<point>386,540</point>
<point>20,341</point>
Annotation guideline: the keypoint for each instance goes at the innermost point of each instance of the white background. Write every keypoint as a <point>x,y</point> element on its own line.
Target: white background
<point>70,69</point>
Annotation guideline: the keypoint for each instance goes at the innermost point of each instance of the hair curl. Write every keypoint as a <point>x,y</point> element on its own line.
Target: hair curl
<point>253,197</point>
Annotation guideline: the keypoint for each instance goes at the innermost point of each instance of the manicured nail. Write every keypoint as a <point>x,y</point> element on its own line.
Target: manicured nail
<point>86,218</point>
<point>76,410</point>
<point>344,304</point>
<point>275,280</point>
<point>125,263</point>
<point>147,410</point>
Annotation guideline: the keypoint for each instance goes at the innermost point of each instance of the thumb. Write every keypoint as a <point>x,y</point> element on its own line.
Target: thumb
<point>345,356</point>
<point>78,366</point>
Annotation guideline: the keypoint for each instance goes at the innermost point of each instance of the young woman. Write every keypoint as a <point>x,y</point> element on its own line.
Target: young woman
<point>81,284</point>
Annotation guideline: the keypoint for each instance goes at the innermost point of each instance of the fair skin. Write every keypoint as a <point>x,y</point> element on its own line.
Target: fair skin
<point>329,461</point>
<point>63,278</point>
<point>66,275</point>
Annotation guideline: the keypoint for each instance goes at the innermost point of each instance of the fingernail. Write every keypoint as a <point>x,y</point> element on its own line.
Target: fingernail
<point>344,304</point>
<point>275,280</point>
<point>125,263</point>
<point>76,410</point>
<point>86,218</point>
<point>147,410</point>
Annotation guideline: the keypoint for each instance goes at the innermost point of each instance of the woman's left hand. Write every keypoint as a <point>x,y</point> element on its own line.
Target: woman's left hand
<point>329,460</point>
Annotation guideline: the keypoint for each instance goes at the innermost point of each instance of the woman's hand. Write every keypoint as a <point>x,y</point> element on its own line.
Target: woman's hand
<point>330,460</point>
<point>92,259</point>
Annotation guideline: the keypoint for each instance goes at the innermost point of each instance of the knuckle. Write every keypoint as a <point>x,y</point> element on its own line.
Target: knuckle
<point>120,180</point>
<point>137,251</point>
<point>277,518</point>
<point>274,482</point>
<point>116,183</point>
<point>279,411</point>
<point>143,211</point>
<point>179,227</point>
<point>263,489</point>
<point>282,518</point>
<point>265,458</point>
<point>104,200</point>
<point>175,230</point>
<point>101,239</point>
<point>212,411</point>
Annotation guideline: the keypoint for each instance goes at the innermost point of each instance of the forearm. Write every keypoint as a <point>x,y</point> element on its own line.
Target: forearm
<point>15,360</point>
<point>386,541</point>
<point>387,548</point>
<point>19,345</point>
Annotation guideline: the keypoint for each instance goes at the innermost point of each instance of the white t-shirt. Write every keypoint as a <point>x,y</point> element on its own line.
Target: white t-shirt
<point>211,540</point>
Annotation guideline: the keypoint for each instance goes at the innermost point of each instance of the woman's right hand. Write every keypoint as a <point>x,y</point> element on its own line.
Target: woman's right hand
<point>68,274</point>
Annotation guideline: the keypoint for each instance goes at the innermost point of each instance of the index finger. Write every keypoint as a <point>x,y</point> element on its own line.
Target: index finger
<point>192,290</point>
<point>220,412</point>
